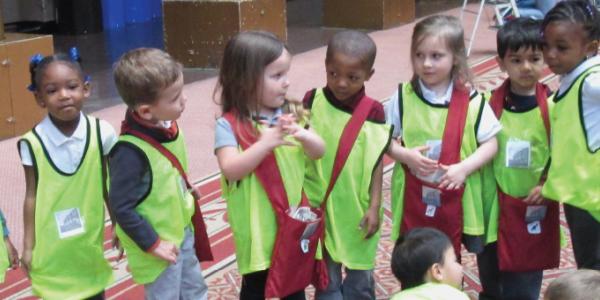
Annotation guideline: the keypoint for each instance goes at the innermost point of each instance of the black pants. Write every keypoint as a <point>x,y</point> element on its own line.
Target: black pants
<point>585,235</point>
<point>253,287</point>
<point>500,285</point>
<point>99,296</point>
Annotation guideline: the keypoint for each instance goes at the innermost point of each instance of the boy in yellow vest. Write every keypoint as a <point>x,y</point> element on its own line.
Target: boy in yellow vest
<point>151,203</point>
<point>353,207</point>
<point>522,228</point>
<point>424,262</point>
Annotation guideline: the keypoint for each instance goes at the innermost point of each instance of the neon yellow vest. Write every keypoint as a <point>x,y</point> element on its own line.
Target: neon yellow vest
<point>168,207</point>
<point>574,174</point>
<point>71,266</point>
<point>4,263</point>
<point>517,182</point>
<point>251,214</point>
<point>350,197</point>
<point>431,291</point>
<point>421,122</point>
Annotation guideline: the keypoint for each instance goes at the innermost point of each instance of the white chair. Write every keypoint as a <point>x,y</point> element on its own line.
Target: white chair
<point>502,9</point>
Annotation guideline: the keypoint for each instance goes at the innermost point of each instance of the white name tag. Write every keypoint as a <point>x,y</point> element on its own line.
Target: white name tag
<point>430,210</point>
<point>69,222</point>
<point>518,154</point>
<point>534,227</point>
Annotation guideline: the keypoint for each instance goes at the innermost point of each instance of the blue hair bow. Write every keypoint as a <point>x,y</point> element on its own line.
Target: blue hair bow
<point>74,54</point>
<point>34,61</point>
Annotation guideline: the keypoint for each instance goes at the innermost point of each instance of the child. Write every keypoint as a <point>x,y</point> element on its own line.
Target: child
<point>149,196</point>
<point>511,265</point>
<point>447,133</point>
<point>576,285</point>
<point>8,254</point>
<point>424,262</point>
<point>353,206</point>
<point>571,38</point>
<point>253,82</point>
<point>64,157</point>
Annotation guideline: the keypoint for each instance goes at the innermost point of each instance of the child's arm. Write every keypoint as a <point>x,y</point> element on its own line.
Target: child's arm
<point>28,218</point>
<point>413,158</point>
<point>13,256</point>
<point>236,165</point>
<point>456,174</point>
<point>370,221</point>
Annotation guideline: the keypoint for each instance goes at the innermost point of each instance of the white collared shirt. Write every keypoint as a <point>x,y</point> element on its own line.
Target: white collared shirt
<point>590,99</point>
<point>489,125</point>
<point>66,151</point>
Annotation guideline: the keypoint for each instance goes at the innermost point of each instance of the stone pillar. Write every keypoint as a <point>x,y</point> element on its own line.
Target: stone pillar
<point>196,31</point>
<point>367,14</point>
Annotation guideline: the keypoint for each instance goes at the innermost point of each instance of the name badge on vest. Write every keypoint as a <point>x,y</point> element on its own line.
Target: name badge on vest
<point>533,217</point>
<point>69,222</point>
<point>182,186</point>
<point>432,198</point>
<point>518,154</point>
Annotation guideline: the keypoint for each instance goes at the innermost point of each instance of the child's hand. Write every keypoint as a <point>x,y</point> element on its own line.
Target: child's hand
<point>116,244</point>
<point>13,255</point>
<point>273,136</point>
<point>26,261</point>
<point>535,196</point>
<point>370,222</point>
<point>166,251</point>
<point>420,164</point>
<point>454,178</point>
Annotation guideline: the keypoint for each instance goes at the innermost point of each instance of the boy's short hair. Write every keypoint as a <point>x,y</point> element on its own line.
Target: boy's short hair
<point>141,74</point>
<point>415,252</point>
<point>519,33</point>
<point>354,44</point>
<point>578,285</point>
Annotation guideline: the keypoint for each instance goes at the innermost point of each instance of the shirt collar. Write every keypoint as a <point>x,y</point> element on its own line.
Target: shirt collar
<point>567,79</point>
<point>271,119</point>
<point>57,138</point>
<point>432,98</point>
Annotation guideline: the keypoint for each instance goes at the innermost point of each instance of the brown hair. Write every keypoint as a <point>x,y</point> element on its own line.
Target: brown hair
<point>354,44</point>
<point>244,61</point>
<point>449,29</point>
<point>141,74</point>
<point>577,285</point>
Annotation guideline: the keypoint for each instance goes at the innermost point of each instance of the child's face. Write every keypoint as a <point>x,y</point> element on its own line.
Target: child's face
<point>432,62</point>
<point>566,45</point>
<point>524,68</point>
<point>169,104</point>
<point>275,82</point>
<point>451,270</point>
<point>346,75</point>
<point>61,91</point>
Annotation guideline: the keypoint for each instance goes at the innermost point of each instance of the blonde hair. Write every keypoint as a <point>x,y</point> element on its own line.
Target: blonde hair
<point>578,285</point>
<point>450,30</point>
<point>141,74</point>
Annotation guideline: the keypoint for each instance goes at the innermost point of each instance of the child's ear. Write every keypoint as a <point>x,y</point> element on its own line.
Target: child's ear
<point>38,99</point>
<point>370,74</point>
<point>144,111</point>
<point>592,48</point>
<point>87,89</point>
<point>434,274</point>
<point>500,62</point>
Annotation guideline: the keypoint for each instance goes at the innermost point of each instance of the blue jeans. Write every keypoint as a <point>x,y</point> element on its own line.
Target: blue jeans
<point>358,284</point>
<point>181,280</point>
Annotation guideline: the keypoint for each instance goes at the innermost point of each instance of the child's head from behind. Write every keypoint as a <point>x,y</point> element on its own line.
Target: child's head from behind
<point>425,255</point>
<point>577,285</point>
<point>150,82</point>
<point>254,73</point>
<point>438,53</point>
<point>349,62</point>
<point>519,44</point>
<point>571,31</point>
<point>59,85</point>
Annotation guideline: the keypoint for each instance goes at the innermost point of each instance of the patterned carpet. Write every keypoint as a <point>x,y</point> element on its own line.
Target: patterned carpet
<point>222,276</point>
